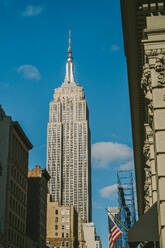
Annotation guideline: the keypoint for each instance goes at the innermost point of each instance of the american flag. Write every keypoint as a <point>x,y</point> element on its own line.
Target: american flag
<point>114,232</point>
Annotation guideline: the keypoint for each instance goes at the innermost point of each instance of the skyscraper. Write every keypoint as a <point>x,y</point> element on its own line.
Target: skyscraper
<point>68,145</point>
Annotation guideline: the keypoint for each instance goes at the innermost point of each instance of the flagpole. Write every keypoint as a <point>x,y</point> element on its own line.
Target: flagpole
<point>117,220</point>
<point>121,224</point>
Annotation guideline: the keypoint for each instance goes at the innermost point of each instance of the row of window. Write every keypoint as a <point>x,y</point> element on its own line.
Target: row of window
<point>63,235</point>
<point>63,211</point>
<point>16,222</point>
<point>63,219</point>
<point>62,227</point>
<point>14,205</point>
<point>18,153</point>
<point>66,116</point>
<point>15,239</point>
<point>18,177</point>
<point>65,243</point>
<point>17,192</point>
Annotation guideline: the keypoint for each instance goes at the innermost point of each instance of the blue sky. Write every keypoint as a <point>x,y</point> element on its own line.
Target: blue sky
<point>33,50</point>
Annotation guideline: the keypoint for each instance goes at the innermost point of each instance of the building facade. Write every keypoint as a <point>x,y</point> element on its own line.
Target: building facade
<point>68,145</point>
<point>144,39</point>
<point>63,226</point>
<point>91,239</point>
<point>37,206</point>
<point>14,152</point>
<point>2,241</point>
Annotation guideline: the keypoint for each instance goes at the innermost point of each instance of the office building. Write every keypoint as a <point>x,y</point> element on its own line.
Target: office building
<point>37,206</point>
<point>91,239</point>
<point>68,145</point>
<point>14,153</point>
<point>63,226</point>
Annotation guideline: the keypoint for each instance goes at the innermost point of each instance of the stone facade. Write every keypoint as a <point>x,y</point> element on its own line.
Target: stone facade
<point>90,237</point>
<point>63,226</point>
<point>37,206</point>
<point>146,50</point>
<point>14,149</point>
<point>154,51</point>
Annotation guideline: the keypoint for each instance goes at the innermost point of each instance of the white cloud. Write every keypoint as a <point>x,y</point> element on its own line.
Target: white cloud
<point>29,72</point>
<point>115,48</point>
<point>104,153</point>
<point>127,166</point>
<point>109,191</point>
<point>32,10</point>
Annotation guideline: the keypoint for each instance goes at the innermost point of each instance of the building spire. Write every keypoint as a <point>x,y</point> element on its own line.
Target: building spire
<point>69,48</point>
<point>69,75</point>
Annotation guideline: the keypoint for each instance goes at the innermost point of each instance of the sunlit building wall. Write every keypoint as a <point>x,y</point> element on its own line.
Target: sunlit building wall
<point>68,145</point>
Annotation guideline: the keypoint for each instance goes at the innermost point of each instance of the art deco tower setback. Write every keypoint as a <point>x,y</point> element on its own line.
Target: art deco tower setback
<point>68,145</point>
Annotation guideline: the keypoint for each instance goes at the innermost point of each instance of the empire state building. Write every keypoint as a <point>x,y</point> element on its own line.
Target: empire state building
<point>69,145</point>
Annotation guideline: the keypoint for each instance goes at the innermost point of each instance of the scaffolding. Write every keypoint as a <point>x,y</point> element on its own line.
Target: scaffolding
<point>126,199</point>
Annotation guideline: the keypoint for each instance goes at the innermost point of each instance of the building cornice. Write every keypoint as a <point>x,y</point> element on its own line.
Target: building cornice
<point>21,133</point>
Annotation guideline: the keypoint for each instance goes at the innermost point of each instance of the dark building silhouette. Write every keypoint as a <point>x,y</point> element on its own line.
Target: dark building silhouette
<point>37,206</point>
<point>14,153</point>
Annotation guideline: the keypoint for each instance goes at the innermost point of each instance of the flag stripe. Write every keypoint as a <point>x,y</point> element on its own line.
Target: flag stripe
<point>117,236</point>
<point>114,232</point>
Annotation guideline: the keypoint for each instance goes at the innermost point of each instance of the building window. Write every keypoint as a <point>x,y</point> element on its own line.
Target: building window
<point>67,211</point>
<point>62,235</point>
<point>56,219</point>
<point>67,235</point>
<point>63,219</point>
<point>56,211</point>
<point>67,219</point>
<point>67,227</point>
<point>56,234</point>
<point>63,227</point>
<point>56,227</point>
<point>63,212</point>
<point>67,243</point>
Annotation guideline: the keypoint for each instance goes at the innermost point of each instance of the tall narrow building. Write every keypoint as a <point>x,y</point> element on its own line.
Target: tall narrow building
<point>68,145</point>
